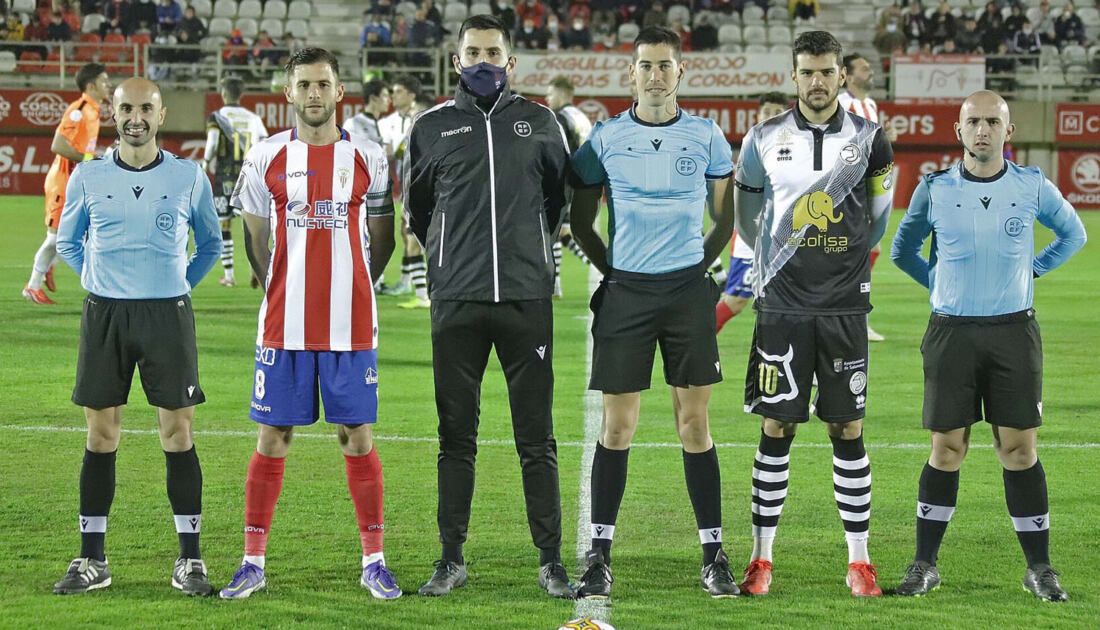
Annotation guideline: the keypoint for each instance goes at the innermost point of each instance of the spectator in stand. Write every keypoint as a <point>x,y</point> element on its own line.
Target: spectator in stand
<point>705,34</point>
<point>531,37</point>
<point>119,16</point>
<point>916,25</point>
<point>580,9</point>
<point>399,36</point>
<point>889,38</point>
<point>145,16</point>
<point>604,43</point>
<point>235,52</point>
<point>505,11</point>
<point>1044,23</point>
<point>264,53</point>
<point>16,30</point>
<point>169,16</point>
<point>1068,28</point>
<point>941,26</point>
<point>290,44</point>
<point>578,37</point>
<point>71,14</point>
<point>969,39</point>
<point>384,9</point>
<point>58,29</point>
<point>553,33</point>
<point>1026,42</point>
<point>948,47</point>
<point>186,54</point>
<point>423,33</point>
<point>684,31</point>
<point>891,13</point>
<point>991,25</point>
<point>533,10</point>
<point>1014,22</point>
<point>603,19</point>
<point>375,33</point>
<point>196,30</point>
<point>804,10</point>
<point>655,15</point>
<point>431,13</point>
<point>999,69</point>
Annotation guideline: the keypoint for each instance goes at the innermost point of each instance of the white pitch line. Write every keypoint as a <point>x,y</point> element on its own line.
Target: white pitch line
<point>593,420</point>
<point>18,428</point>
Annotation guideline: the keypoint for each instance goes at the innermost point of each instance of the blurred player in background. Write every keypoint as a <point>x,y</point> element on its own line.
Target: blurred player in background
<point>577,126</point>
<point>738,289</point>
<point>230,133</point>
<point>857,99</point>
<point>814,193</point>
<point>318,192</point>
<point>982,348</point>
<point>376,102</point>
<point>74,141</point>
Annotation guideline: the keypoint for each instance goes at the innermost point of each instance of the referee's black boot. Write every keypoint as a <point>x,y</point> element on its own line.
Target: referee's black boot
<point>717,580</point>
<point>1042,581</point>
<point>596,581</point>
<point>448,575</point>
<point>554,580</point>
<point>920,579</point>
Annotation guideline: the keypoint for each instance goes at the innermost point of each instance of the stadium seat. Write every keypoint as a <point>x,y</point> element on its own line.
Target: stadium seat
<point>1072,54</point>
<point>250,9</point>
<point>247,26</point>
<point>783,50</point>
<point>627,32</point>
<point>225,8</point>
<point>221,26</point>
<point>299,10</point>
<point>1077,76</point>
<point>479,8</point>
<point>30,62</point>
<point>203,8</point>
<point>8,61</point>
<point>454,12</point>
<point>778,15</point>
<point>212,44</point>
<point>679,12</point>
<point>1090,16</point>
<point>731,48</point>
<point>756,48</point>
<point>86,50</point>
<point>702,17</point>
<point>883,3</point>
<point>22,6</point>
<point>298,28</point>
<point>728,18</point>
<point>275,9</point>
<point>91,23</point>
<point>729,34</point>
<point>408,9</point>
<point>752,14</point>
<point>779,34</point>
<point>141,39</point>
<point>959,4</point>
<point>273,26</point>
<point>754,34</point>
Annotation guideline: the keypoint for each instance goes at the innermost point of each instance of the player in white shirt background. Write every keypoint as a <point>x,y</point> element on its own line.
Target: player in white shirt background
<point>856,98</point>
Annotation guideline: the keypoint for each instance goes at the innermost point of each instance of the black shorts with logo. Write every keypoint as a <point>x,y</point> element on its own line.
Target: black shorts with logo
<point>223,192</point>
<point>975,362</point>
<point>634,312</point>
<point>787,350</point>
<point>157,336</point>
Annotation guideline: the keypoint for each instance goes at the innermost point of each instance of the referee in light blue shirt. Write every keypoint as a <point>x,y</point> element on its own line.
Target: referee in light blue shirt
<point>982,350</point>
<point>124,229</point>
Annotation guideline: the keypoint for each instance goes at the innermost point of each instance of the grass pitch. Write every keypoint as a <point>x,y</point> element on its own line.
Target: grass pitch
<point>313,556</point>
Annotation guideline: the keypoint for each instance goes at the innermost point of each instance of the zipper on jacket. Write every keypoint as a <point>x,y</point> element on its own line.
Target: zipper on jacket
<point>493,199</point>
<point>542,233</point>
<point>442,234</point>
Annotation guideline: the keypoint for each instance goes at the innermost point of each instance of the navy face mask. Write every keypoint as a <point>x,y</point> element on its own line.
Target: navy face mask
<point>484,79</point>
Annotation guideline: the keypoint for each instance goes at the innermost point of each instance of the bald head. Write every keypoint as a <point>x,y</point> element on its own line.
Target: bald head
<point>139,111</point>
<point>984,127</point>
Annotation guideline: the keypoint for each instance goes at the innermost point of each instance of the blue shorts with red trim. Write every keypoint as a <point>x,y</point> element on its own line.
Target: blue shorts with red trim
<point>739,280</point>
<point>289,386</point>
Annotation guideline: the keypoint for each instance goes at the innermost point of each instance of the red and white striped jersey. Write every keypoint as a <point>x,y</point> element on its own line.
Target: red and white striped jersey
<point>864,108</point>
<point>320,295</point>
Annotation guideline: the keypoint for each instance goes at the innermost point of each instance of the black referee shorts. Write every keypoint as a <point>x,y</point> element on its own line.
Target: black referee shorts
<point>634,312</point>
<point>975,362</point>
<point>157,336</point>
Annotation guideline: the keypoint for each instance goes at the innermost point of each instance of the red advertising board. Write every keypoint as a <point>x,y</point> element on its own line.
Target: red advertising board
<point>1079,177</point>
<point>25,160</point>
<point>1077,123</point>
<point>39,111</point>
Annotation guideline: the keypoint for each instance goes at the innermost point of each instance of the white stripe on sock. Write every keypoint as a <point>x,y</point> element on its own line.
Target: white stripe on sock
<point>846,482</point>
<point>188,523</point>
<point>862,499</point>
<point>931,512</point>
<point>92,524</point>
<point>770,495</point>
<point>764,510</point>
<point>771,477</point>
<point>1036,523</point>
<point>852,464</point>
<point>772,461</point>
<point>710,535</point>
<point>856,517</point>
<point>763,532</point>
<point>603,532</point>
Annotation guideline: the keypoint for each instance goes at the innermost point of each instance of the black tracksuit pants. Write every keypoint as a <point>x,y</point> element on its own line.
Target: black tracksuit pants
<point>462,335</point>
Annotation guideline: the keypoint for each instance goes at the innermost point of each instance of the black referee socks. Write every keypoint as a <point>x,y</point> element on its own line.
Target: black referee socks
<point>1026,496</point>
<point>608,485</point>
<point>704,484</point>
<point>97,492</point>
<point>184,482</point>
<point>936,499</point>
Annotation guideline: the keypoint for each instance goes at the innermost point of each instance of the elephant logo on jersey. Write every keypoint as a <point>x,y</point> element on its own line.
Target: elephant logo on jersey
<point>816,209</point>
<point>771,369</point>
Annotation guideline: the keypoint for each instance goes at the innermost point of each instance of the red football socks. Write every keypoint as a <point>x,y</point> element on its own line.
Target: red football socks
<point>261,493</point>
<point>365,484</point>
<point>722,314</point>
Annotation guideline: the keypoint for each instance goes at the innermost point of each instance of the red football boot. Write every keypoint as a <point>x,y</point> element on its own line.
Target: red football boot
<point>863,579</point>
<point>758,578</point>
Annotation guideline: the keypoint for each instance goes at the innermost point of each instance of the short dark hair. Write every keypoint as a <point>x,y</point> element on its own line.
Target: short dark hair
<point>655,35</point>
<point>425,97</point>
<point>407,81</point>
<point>563,83</point>
<point>485,22</point>
<point>87,74</point>
<point>373,88</point>
<point>850,59</point>
<point>233,86</point>
<point>311,55</point>
<point>815,43</point>
<point>775,98</point>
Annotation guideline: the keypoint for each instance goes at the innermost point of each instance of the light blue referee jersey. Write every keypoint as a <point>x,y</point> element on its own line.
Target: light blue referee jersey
<point>983,260</point>
<point>124,230</point>
<point>656,177</point>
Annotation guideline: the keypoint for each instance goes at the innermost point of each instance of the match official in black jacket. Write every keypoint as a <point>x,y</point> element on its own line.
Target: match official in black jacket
<point>485,186</point>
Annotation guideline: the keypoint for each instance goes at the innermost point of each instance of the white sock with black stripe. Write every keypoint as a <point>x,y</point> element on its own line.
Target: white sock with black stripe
<point>852,491</point>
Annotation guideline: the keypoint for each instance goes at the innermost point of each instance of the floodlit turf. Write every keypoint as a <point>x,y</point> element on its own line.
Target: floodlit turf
<point>313,559</point>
